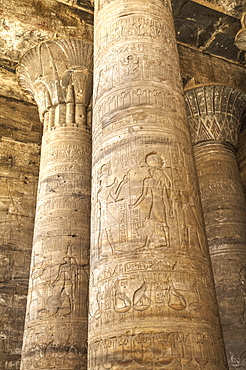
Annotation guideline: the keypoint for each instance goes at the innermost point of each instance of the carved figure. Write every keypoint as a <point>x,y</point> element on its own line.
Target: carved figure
<point>122,302</point>
<point>141,300</point>
<point>175,299</point>
<point>241,291</point>
<point>68,276</point>
<point>106,195</point>
<point>125,297</point>
<point>157,186</point>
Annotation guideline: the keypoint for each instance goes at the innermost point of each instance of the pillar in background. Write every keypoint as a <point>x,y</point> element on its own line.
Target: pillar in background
<point>59,75</point>
<point>152,301</point>
<point>215,115</point>
<point>19,165</point>
<point>240,42</point>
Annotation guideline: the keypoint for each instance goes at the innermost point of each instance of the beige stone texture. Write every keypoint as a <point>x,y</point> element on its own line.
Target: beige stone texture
<point>59,75</point>
<point>241,158</point>
<point>152,302</point>
<point>240,39</point>
<point>216,114</point>
<point>19,162</point>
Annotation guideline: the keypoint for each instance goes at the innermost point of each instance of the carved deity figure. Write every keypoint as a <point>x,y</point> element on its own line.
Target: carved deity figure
<point>67,276</point>
<point>108,195</point>
<point>157,186</point>
<point>241,291</point>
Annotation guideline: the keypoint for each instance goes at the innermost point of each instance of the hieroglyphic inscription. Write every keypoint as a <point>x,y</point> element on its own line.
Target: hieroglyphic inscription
<point>158,208</point>
<point>146,212</point>
<point>215,115</point>
<point>18,188</point>
<point>57,308</point>
<point>136,28</point>
<point>141,96</point>
<point>157,350</point>
<point>137,63</point>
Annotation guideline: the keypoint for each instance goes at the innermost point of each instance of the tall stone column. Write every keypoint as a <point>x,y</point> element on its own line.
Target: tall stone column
<point>59,75</point>
<point>240,42</point>
<point>152,301</point>
<point>215,115</point>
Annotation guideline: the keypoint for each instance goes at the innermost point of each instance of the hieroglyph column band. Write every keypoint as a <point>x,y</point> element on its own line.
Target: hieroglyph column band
<point>216,115</point>
<point>152,300</point>
<point>58,74</point>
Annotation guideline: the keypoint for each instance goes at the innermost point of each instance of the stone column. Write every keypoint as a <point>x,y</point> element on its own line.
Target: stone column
<point>215,115</point>
<point>59,75</point>
<point>152,301</point>
<point>240,42</point>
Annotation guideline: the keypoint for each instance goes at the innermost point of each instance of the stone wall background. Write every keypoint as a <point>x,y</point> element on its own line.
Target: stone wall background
<point>20,138</point>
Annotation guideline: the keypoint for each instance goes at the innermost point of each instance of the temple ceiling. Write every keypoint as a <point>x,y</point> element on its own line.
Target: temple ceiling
<point>206,26</point>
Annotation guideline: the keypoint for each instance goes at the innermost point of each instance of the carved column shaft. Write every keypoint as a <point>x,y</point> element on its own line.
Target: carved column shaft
<point>215,114</point>
<point>240,42</point>
<point>152,302</point>
<point>59,74</point>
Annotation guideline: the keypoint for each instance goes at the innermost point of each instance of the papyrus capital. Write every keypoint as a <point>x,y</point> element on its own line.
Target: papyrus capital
<point>215,113</point>
<point>56,72</point>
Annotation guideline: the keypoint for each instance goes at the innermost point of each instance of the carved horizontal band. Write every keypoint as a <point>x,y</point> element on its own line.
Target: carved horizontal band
<point>58,72</point>
<point>215,112</point>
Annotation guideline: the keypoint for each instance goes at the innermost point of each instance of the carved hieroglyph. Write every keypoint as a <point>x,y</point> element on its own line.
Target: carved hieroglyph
<point>215,115</point>
<point>240,39</point>
<point>152,301</point>
<point>18,187</point>
<point>59,75</point>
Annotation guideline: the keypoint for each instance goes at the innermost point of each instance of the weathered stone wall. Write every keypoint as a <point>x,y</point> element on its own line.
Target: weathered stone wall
<point>19,163</point>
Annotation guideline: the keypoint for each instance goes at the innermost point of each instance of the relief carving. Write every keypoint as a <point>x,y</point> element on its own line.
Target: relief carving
<point>212,117</point>
<point>65,286</point>
<point>64,90</point>
<point>58,74</point>
<point>158,349</point>
<point>149,264</point>
<point>241,293</point>
<point>216,115</point>
<point>157,187</point>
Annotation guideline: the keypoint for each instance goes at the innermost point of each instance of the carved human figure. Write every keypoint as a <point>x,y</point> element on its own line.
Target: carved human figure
<point>157,186</point>
<point>187,203</point>
<point>241,292</point>
<point>106,195</point>
<point>67,275</point>
<point>131,66</point>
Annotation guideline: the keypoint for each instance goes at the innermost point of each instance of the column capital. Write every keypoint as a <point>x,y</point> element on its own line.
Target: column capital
<point>215,113</point>
<point>56,72</point>
<point>240,39</point>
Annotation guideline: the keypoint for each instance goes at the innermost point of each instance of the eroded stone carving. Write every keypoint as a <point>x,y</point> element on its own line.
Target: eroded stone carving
<point>240,40</point>
<point>216,114</point>
<point>149,261</point>
<point>59,76</point>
